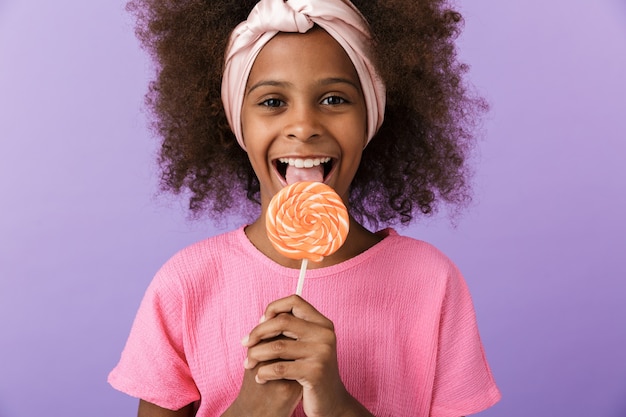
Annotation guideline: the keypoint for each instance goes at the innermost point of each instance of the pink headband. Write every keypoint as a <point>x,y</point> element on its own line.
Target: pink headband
<point>339,18</point>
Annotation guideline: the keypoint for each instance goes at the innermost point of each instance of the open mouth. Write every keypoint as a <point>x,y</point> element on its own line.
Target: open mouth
<point>323,165</point>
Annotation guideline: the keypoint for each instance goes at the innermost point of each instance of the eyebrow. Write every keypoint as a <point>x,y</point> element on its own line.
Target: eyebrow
<point>339,80</point>
<point>269,83</point>
<point>285,84</point>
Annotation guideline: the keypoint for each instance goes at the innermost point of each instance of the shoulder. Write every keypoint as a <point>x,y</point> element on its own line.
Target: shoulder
<point>415,251</point>
<point>410,266</point>
<point>208,249</point>
<point>201,261</point>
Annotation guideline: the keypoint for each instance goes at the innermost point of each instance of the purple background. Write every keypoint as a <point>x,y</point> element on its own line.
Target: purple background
<point>81,231</point>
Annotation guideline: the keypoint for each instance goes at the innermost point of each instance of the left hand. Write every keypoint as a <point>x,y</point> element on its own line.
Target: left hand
<point>306,353</point>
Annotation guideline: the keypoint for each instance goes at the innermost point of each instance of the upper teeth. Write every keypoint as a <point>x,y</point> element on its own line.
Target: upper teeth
<point>304,163</point>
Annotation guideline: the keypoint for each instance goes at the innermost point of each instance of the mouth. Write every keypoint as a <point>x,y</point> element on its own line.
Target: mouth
<point>323,166</point>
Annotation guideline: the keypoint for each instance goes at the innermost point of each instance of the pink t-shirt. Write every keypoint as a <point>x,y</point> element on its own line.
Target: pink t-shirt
<point>407,340</point>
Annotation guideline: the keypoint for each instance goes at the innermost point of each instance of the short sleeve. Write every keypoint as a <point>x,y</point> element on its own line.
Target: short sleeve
<point>153,364</point>
<point>463,382</point>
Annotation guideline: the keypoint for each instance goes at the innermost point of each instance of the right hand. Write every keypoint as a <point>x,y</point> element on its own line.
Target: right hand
<point>271,399</point>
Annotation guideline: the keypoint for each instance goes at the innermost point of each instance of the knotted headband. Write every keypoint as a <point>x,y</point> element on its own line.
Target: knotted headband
<point>339,18</point>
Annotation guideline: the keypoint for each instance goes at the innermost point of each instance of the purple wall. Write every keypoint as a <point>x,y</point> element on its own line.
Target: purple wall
<point>81,232</point>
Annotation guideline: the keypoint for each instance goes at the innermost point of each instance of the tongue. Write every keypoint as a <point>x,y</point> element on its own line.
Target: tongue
<point>304,174</point>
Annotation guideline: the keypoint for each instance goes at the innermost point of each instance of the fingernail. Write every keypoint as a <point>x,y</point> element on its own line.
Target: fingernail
<point>245,363</point>
<point>245,340</point>
<point>262,319</point>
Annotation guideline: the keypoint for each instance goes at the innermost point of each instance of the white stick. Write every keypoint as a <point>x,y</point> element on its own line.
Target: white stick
<point>305,262</point>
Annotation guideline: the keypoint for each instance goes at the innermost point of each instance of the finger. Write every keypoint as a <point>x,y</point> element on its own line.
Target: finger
<point>289,350</point>
<point>287,325</point>
<point>301,371</point>
<point>298,307</point>
<point>282,325</point>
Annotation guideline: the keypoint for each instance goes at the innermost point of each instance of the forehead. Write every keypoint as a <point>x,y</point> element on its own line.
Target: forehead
<point>314,54</point>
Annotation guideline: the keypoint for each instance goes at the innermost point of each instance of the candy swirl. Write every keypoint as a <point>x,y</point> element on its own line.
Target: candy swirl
<point>307,220</point>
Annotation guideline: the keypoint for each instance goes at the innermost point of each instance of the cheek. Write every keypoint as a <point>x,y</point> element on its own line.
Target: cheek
<point>359,133</point>
<point>256,130</point>
<point>359,128</point>
<point>248,126</point>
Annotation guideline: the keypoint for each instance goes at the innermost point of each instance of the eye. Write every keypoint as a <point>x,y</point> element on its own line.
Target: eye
<point>334,100</point>
<point>272,102</point>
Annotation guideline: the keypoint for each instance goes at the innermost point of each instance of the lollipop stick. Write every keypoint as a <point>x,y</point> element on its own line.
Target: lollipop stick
<point>305,262</point>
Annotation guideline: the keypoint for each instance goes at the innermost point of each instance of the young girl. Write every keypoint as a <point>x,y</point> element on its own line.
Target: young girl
<point>385,326</point>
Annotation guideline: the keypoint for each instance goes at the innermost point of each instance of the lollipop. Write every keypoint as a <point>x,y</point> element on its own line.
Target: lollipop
<point>307,221</point>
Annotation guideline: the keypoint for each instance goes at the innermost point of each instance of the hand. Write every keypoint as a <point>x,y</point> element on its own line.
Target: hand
<point>275,398</point>
<point>305,353</point>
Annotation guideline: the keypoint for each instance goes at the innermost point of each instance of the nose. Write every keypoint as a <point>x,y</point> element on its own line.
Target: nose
<point>302,123</point>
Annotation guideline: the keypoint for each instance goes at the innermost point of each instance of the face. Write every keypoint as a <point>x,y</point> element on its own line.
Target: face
<point>303,105</point>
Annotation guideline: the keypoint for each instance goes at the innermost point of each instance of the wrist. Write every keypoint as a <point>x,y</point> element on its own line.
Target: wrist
<point>346,406</point>
<point>353,408</point>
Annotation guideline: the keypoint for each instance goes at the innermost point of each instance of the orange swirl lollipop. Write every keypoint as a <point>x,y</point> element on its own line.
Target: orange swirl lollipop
<point>308,221</point>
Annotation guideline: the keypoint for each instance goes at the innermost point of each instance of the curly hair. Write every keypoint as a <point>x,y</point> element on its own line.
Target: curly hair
<point>416,160</point>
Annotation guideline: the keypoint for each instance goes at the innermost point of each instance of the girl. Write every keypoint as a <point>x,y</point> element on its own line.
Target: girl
<point>386,326</point>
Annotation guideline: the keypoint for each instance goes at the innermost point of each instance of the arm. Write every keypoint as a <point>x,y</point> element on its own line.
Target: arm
<point>147,409</point>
